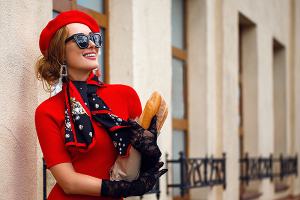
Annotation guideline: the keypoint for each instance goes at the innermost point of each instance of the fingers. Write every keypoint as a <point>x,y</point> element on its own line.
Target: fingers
<point>159,165</point>
<point>153,128</point>
<point>130,121</point>
<point>137,119</point>
<point>155,168</point>
<point>160,173</point>
<point>133,124</point>
<point>157,173</point>
<point>153,122</point>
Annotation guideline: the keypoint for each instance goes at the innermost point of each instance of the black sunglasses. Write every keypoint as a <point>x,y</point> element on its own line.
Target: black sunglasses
<point>83,40</point>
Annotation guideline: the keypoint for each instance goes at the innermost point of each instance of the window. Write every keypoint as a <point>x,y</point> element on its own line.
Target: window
<point>179,107</point>
<point>248,98</point>
<point>280,109</point>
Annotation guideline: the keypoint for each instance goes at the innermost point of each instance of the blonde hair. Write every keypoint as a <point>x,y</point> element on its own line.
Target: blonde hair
<point>48,67</point>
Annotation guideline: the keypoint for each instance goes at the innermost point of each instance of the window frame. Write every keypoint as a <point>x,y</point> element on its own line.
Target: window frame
<point>182,124</point>
<point>181,54</point>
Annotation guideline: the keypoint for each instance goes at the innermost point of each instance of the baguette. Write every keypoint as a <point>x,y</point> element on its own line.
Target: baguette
<point>128,168</point>
<point>156,105</point>
<point>162,114</point>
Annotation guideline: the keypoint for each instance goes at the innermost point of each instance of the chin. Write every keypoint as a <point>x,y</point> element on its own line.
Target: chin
<point>90,66</point>
<point>95,66</point>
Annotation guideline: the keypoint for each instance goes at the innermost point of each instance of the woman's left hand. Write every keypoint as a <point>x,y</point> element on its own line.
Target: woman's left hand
<point>145,183</point>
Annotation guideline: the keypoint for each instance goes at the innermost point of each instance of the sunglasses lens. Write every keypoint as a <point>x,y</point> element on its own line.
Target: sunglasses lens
<point>97,40</point>
<point>82,41</point>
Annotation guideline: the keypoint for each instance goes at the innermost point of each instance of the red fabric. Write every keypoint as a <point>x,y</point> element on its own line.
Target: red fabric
<point>49,120</point>
<point>64,18</point>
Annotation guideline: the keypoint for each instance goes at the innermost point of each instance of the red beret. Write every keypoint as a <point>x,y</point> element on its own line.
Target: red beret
<point>63,19</point>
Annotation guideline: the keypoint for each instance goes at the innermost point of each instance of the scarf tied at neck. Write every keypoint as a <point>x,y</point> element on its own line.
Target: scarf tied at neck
<point>83,103</point>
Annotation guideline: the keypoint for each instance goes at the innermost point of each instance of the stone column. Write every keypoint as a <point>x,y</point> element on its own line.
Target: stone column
<point>140,56</point>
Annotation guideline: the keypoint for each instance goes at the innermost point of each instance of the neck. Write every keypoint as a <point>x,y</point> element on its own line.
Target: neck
<point>81,75</point>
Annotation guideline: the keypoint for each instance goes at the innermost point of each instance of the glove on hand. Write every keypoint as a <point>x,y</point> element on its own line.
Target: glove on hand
<point>146,181</point>
<point>145,141</point>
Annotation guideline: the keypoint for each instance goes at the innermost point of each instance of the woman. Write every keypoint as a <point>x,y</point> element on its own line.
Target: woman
<point>82,129</point>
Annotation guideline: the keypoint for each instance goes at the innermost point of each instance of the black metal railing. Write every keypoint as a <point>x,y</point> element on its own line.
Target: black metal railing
<point>155,190</point>
<point>259,168</point>
<point>288,166</point>
<point>44,180</point>
<point>198,172</point>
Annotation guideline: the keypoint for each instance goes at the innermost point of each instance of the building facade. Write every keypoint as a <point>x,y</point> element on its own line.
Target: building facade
<point>228,69</point>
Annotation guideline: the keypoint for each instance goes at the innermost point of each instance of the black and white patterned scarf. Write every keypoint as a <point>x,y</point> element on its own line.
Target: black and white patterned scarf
<point>82,103</point>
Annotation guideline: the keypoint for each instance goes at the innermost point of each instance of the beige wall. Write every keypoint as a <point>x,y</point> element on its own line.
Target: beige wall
<point>140,56</point>
<point>20,25</point>
<point>296,60</point>
<point>213,84</point>
<point>272,21</point>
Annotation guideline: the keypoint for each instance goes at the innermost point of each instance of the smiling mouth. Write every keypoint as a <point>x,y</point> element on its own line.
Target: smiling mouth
<point>90,55</point>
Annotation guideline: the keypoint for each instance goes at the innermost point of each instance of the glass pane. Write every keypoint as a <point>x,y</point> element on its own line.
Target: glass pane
<point>178,146</point>
<point>54,14</point>
<point>95,5</point>
<point>58,87</point>
<point>240,117</point>
<point>178,89</point>
<point>101,67</point>
<point>178,24</point>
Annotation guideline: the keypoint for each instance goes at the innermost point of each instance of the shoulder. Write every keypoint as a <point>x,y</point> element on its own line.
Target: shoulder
<point>119,87</point>
<point>121,97</point>
<point>119,90</point>
<point>51,105</point>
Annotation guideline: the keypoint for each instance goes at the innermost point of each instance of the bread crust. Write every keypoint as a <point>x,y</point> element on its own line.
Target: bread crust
<point>156,105</point>
<point>162,114</point>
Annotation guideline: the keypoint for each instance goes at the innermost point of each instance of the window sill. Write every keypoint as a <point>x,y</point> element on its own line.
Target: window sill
<point>281,188</point>
<point>250,195</point>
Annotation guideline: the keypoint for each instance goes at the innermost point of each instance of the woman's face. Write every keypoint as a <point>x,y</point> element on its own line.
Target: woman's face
<point>80,61</point>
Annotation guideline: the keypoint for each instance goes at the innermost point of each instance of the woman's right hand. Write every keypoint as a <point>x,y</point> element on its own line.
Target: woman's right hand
<point>145,140</point>
<point>145,183</point>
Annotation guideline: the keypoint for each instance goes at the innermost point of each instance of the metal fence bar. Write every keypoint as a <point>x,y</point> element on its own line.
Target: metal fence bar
<point>155,190</point>
<point>198,172</point>
<point>259,168</point>
<point>44,180</point>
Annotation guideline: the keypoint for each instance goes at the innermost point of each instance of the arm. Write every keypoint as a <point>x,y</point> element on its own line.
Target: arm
<point>75,183</point>
<point>48,127</point>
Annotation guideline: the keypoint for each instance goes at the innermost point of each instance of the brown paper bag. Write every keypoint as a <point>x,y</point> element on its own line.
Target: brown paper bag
<point>127,168</point>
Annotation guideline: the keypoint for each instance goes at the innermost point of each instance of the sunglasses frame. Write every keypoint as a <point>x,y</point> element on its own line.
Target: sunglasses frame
<point>90,37</point>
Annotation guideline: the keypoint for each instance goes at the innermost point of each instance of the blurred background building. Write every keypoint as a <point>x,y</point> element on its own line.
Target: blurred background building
<point>230,71</point>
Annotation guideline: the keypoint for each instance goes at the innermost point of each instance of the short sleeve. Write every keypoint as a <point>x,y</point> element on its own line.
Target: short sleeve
<point>48,128</point>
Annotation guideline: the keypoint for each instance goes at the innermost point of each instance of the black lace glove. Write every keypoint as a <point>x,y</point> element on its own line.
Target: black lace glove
<point>145,183</point>
<point>145,141</point>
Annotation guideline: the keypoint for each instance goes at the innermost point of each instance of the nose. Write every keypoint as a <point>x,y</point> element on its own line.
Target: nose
<point>91,44</point>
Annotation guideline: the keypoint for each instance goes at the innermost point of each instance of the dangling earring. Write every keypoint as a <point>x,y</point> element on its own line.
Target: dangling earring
<point>64,71</point>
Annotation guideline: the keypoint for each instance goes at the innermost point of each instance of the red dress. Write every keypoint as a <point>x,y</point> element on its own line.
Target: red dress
<point>50,126</point>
